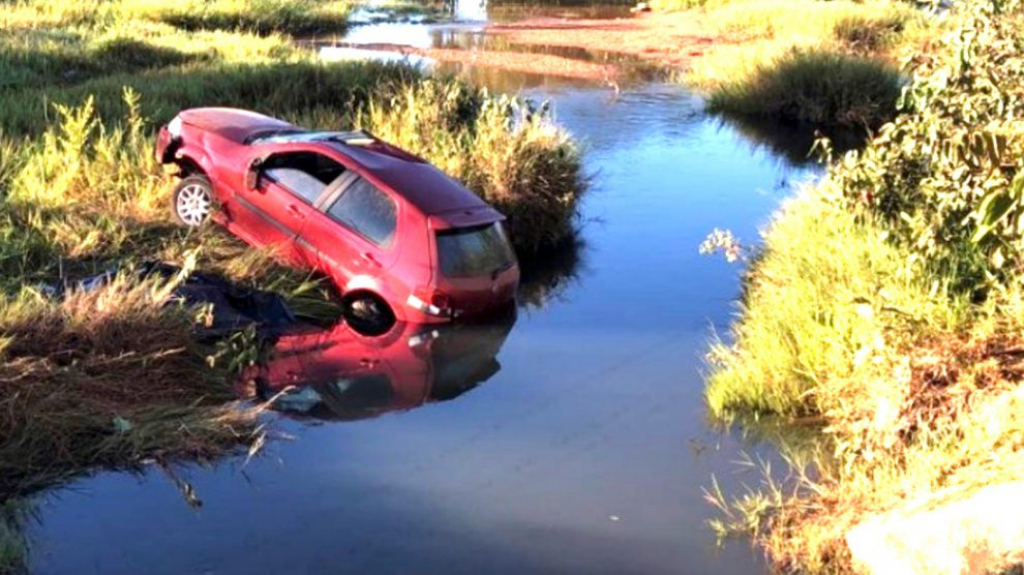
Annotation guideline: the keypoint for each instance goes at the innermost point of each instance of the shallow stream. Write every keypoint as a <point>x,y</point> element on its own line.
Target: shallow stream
<point>573,441</point>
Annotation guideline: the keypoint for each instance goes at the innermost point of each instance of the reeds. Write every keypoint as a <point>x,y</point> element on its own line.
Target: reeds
<point>815,87</point>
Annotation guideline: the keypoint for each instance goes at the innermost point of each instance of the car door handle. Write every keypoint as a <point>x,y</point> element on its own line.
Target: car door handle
<point>368,257</point>
<point>294,210</point>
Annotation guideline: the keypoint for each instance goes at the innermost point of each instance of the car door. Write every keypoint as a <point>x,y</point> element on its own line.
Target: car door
<point>354,232</point>
<point>288,187</point>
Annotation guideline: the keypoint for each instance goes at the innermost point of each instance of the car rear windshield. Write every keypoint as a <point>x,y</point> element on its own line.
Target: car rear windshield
<point>475,251</point>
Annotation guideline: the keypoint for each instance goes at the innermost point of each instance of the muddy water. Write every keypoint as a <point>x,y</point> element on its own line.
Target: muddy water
<point>572,440</point>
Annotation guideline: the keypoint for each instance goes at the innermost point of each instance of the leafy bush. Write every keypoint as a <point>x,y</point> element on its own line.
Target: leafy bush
<point>946,179</point>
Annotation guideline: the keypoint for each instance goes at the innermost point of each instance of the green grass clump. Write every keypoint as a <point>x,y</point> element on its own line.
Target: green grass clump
<point>826,63</point>
<point>819,88</point>
<point>872,33</point>
<point>825,291</point>
<point>295,17</point>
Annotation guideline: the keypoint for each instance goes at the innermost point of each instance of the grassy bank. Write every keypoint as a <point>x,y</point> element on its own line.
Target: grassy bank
<point>830,64</point>
<point>108,378</point>
<point>886,304</point>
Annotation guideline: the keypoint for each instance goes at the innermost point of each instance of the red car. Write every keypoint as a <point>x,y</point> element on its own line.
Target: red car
<point>400,239</point>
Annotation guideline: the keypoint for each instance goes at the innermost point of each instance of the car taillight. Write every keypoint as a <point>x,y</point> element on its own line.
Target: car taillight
<point>441,300</point>
<point>430,301</point>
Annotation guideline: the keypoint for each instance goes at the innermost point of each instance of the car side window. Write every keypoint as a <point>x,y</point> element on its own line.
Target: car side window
<point>367,211</point>
<point>305,174</point>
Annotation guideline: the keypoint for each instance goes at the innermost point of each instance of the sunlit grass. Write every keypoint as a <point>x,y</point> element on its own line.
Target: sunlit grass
<point>912,384</point>
<point>824,291</point>
<point>873,312</point>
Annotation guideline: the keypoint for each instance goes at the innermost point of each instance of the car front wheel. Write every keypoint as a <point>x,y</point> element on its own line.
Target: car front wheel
<point>193,200</point>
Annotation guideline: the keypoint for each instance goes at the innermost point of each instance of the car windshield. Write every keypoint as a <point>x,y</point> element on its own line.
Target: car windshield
<point>475,251</point>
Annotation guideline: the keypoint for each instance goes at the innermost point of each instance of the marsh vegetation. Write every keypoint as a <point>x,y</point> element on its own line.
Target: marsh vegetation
<point>886,305</point>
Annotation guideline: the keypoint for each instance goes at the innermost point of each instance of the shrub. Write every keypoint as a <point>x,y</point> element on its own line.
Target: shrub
<point>944,179</point>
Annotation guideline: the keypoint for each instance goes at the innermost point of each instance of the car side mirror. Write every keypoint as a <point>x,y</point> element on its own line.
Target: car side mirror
<point>252,174</point>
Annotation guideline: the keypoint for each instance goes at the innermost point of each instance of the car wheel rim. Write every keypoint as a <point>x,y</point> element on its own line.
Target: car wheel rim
<point>193,204</point>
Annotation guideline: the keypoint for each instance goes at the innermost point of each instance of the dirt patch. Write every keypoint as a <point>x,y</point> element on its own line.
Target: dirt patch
<point>671,40</point>
<point>524,62</point>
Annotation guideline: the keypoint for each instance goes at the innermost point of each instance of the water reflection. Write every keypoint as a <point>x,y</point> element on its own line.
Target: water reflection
<point>546,278</point>
<point>793,142</point>
<point>341,375</point>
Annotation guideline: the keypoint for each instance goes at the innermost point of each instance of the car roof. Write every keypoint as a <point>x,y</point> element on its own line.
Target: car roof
<point>424,186</point>
<point>427,188</point>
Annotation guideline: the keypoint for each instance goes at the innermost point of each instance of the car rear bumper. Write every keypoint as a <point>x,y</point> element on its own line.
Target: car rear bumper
<point>471,307</point>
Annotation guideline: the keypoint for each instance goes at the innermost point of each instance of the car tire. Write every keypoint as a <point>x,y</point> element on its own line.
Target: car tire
<point>193,201</point>
<point>368,314</point>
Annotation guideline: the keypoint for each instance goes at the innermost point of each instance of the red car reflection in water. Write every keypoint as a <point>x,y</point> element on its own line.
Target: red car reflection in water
<point>400,239</point>
<point>340,374</point>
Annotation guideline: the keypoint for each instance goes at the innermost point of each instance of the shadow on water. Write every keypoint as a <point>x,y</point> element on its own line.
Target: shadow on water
<point>545,279</point>
<point>341,375</point>
<point>793,142</point>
